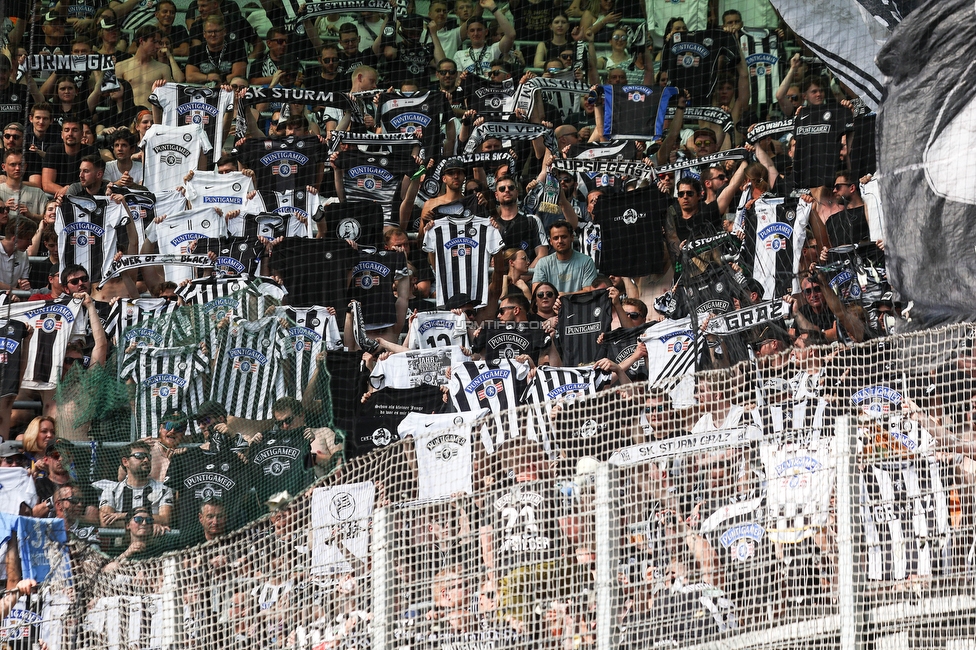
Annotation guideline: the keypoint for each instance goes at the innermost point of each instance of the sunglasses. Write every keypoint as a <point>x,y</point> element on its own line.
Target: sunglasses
<point>10,136</point>
<point>205,420</point>
<point>840,186</point>
<point>545,294</point>
<point>446,72</point>
<point>720,177</point>
<point>71,500</point>
<point>80,280</point>
<point>632,314</point>
<point>619,37</point>
<point>793,98</point>
<point>502,310</point>
<point>507,188</point>
<point>497,73</point>
<point>139,455</point>
<point>566,57</point>
<point>658,408</point>
<point>139,519</point>
<point>70,361</point>
<point>813,289</point>
<point>703,143</point>
<point>685,193</point>
<point>285,421</point>
<point>174,426</point>
<point>553,70</point>
<point>239,86</point>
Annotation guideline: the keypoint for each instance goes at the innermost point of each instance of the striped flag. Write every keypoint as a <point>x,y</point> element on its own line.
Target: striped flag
<point>671,349</point>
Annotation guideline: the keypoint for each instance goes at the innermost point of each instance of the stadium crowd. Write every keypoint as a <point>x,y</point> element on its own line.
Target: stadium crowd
<point>269,257</point>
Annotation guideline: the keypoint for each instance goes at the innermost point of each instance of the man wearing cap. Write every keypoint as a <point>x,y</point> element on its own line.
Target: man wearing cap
<point>139,524</point>
<point>276,58</point>
<point>136,489</point>
<point>452,176</point>
<point>24,200</point>
<point>172,431</point>
<point>17,493</point>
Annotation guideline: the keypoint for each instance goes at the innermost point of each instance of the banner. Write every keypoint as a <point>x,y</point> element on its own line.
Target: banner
<point>71,62</point>
<point>258,95</point>
<point>510,131</point>
<point>690,444</point>
<point>743,319</point>
<point>630,168</point>
<point>127,262</point>
<point>347,137</point>
<point>712,114</point>
<point>704,161</point>
<point>332,7</point>
<point>340,524</point>
<point>767,129</point>
<point>525,96</point>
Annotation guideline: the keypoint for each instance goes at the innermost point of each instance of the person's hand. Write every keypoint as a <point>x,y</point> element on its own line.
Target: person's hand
<point>795,62</point>
<point>113,517</point>
<point>613,293</point>
<point>23,284</point>
<point>823,254</point>
<point>159,530</point>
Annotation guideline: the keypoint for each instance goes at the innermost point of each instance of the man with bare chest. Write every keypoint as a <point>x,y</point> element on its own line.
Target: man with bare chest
<point>142,70</point>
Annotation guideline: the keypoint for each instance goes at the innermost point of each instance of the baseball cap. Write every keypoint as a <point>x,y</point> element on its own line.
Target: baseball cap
<point>706,132</point>
<point>109,23</point>
<point>53,16</point>
<point>453,163</point>
<point>11,448</point>
<point>210,409</point>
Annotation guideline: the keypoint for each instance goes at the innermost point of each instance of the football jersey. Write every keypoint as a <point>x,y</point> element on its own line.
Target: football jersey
<point>185,104</point>
<point>379,417</point>
<point>442,444</point>
<point>227,192</point>
<point>670,349</point>
<point>500,340</point>
<point>414,368</point>
<point>280,463</point>
<point>437,329</point>
<point>635,111</point>
<point>775,232</point>
<point>375,177</point>
<point>166,379</point>
<point>589,241</point>
<point>248,376</point>
<point>474,385</point>
<point>562,387</point>
<point>799,484</point>
<point>283,164</point>
<point>372,282</point>
<point>763,52</point>
<point>425,111</point>
<point>524,519</point>
<point>632,221</point>
<point>582,318</point>
<point>12,334</point>
<point>169,152</point>
<point>311,330</point>
<point>817,131</point>
<point>235,255</point>
<point>692,61</point>
<point>91,230</point>
<point>358,221</point>
<point>620,343</point>
<point>315,271</point>
<point>462,248</point>
<point>290,206</point>
<point>175,234</point>
<point>905,513</point>
<point>132,322</point>
<point>55,323</point>
<point>142,207</point>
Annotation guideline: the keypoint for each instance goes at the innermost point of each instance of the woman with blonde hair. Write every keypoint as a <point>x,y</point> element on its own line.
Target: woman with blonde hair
<point>518,267</point>
<point>40,434</point>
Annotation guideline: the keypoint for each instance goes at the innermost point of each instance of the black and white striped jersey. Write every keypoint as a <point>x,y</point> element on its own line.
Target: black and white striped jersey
<point>553,394</point>
<point>462,247</point>
<point>165,379</point>
<point>763,52</point>
<point>55,323</point>
<point>775,231</point>
<point>476,385</point>
<point>311,330</point>
<point>184,104</point>
<point>91,230</point>
<point>248,376</point>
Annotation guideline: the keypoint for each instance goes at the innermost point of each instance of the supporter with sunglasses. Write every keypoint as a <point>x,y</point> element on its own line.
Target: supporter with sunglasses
<point>139,524</point>
<point>136,489</point>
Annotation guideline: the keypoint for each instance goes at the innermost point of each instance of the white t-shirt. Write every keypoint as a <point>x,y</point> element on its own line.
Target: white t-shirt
<point>467,58</point>
<point>174,234</point>
<point>169,152</point>
<point>113,174</point>
<point>443,446</point>
<point>227,192</point>
<point>13,267</point>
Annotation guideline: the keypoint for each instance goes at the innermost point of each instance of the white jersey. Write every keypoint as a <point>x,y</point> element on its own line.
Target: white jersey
<point>185,105</point>
<point>248,376</point>
<point>166,379</point>
<point>169,152</point>
<point>475,385</point>
<point>477,61</point>
<point>462,248</point>
<point>227,192</point>
<point>670,349</point>
<point>311,330</point>
<point>175,233</point>
<point>55,323</point>
<point>437,329</point>
<point>296,207</point>
<point>443,446</point>
<point>800,481</point>
<point>90,231</point>
<point>416,368</point>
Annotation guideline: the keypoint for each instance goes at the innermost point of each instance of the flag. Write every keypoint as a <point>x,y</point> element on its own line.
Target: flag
<point>43,547</point>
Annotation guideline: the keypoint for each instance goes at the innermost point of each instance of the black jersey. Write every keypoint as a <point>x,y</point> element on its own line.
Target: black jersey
<point>498,341</point>
<point>375,177</point>
<point>817,131</point>
<point>380,416</point>
<point>221,62</point>
<point>284,164</point>
<point>622,342</point>
<point>372,283</point>
<point>412,62</point>
<point>582,318</point>
<point>425,111</point>
<point>359,221</point>
<point>13,100</point>
<point>204,475</point>
<point>491,98</point>
<point>692,61</point>
<point>314,270</point>
<point>280,462</point>
<point>523,232</point>
<point>849,226</point>
<point>634,110</point>
<point>235,255</point>
<point>630,222</point>
<point>297,208</point>
<point>12,335</point>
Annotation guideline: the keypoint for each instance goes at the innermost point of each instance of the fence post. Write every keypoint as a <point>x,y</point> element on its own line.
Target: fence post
<point>850,610</point>
<point>380,573</point>
<point>604,560</point>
